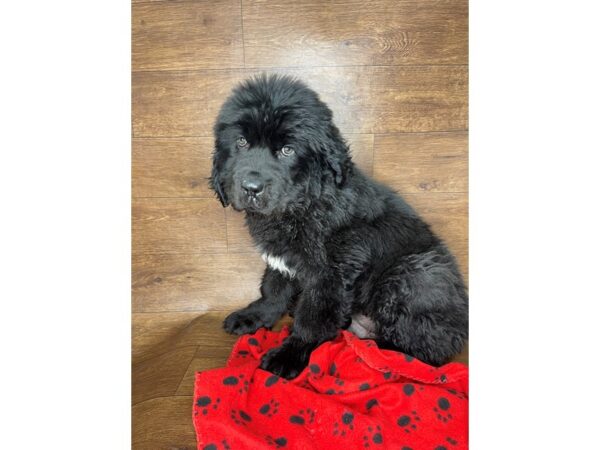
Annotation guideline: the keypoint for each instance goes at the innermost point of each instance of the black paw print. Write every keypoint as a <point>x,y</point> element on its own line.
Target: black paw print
<point>408,389</point>
<point>457,394</point>
<point>226,446</point>
<point>444,406</point>
<point>314,369</point>
<point>371,403</point>
<point>272,380</point>
<point>245,385</point>
<point>408,358</point>
<point>231,380</point>
<point>347,419</point>
<point>243,353</point>
<point>407,422</point>
<point>269,409</point>
<point>452,441</point>
<point>374,436</point>
<point>333,370</point>
<point>277,442</point>
<point>304,416</point>
<point>240,417</point>
<point>205,402</point>
<point>441,379</point>
<point>254,342</point>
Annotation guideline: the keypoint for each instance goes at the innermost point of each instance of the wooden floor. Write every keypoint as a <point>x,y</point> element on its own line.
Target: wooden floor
<point>394,73</point>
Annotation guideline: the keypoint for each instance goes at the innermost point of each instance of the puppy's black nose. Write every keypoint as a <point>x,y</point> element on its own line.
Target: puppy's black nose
<point>253,186</point>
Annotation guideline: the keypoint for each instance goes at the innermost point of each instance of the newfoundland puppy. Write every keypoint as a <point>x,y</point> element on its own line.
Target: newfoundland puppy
<point>342,251</point>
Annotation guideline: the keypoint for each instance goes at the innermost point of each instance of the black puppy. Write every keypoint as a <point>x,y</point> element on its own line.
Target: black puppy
<point>341,249</point>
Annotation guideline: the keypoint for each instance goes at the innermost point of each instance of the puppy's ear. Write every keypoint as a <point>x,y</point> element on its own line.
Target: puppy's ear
<point>337,157</point>
<point>215,183</point>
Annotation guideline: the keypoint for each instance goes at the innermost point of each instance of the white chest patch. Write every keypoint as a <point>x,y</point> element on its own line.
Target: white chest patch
<point>277,263</point>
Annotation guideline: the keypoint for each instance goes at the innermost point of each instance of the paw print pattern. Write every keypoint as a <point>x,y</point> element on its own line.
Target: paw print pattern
<point>452,441</point>
<point>231,381</point>
<point>271,380</point>
<point>457,394</point>
<point>374,436</point>
<point>347,424</point>
<point>333,370</point>
<point>441,379</point>
<point>206,403</point>
<point>314,369</point>
<point>244,386</point>
<point>443,406</point>
<point>371,403</point>
<point>269,409</point>
<point>276,442</point>
<point>303,416</point>
<point>408,389</point>
<point>408,422</point>
<point>240,417</point>
<point>243,354</point>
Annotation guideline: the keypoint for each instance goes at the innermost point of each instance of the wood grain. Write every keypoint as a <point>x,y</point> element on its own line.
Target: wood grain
<point>150,329</point>
<point>166,225</point>
<point>363,99</point>
<point>415,162</point>
<point>187,35</point>
<point>172,167</point>
<point>354,32</point>
<point>160,376</point>
<point>195,282</point>
<point>163,423</point>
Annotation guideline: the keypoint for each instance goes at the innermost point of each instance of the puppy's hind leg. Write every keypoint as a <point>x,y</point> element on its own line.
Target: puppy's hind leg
<point>277,291</point>
<point>420,308</point>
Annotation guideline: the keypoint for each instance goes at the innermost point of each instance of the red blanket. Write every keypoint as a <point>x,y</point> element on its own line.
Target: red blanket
<point>351,396</point>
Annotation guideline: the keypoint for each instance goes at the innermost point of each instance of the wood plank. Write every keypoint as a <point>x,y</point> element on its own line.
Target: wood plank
<point>415,162</point>
<point>167,225</point>
<point>187,35</point>
<point>160,376</point>
<point>150,329</point>
<point>163,424</point>
<point>205,331</point>
<point>354,32</point>
<point>195,282</point>
<point>363,99</point>
<point>173,104</point>
<point>172,167</point>
<point>418,99</point>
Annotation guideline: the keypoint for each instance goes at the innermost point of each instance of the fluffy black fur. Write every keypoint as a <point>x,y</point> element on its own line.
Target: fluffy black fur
<point>341,246</point>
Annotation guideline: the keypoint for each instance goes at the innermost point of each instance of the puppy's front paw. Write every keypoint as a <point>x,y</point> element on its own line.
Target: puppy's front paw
<point>287,361</point>
<point>243,322</point>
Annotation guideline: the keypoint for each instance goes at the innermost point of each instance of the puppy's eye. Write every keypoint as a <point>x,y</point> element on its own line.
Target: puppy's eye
<point>241,142</point>
<point>286,150</point>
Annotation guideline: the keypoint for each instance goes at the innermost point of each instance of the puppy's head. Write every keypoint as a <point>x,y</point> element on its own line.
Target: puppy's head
<point>275,147</point>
